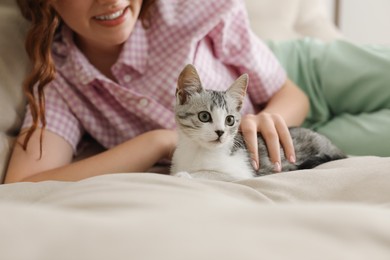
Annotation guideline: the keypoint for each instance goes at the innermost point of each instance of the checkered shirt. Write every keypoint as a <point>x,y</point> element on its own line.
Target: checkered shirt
<point>214,36</point>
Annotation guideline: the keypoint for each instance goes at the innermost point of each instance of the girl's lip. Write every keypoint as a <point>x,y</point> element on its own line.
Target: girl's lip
<point>113,22</point>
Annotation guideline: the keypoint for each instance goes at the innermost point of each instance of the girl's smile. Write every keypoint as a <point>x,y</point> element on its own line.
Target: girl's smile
<point>113,18</point>
<point>99,24</point>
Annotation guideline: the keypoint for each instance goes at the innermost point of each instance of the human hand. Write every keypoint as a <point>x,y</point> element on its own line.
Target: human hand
<point>275,132</point>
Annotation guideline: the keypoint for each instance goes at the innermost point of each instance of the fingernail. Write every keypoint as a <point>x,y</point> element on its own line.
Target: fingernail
<point>292,159</point>
<point>277,167</point>
<point>254,164</point>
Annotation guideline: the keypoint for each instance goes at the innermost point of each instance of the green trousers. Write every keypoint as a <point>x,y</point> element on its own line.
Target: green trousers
<point>349,90</point>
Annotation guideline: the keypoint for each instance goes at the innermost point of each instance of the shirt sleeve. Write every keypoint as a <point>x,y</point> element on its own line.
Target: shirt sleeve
<point>236,45</point>
<point>59,118</point>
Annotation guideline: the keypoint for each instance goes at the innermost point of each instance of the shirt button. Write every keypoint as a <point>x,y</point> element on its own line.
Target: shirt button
<point>143,102</point>
<point>84,80</point>
<point>127,78</point>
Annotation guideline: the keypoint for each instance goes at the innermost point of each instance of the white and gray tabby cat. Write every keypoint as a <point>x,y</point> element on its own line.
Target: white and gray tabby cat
<point>210,145</point>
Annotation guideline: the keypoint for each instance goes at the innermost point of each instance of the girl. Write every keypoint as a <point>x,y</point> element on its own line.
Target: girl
<point>108,68</point>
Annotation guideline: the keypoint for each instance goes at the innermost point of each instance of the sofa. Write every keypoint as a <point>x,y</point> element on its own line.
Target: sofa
<point>339,210</point>
<point>285,20</point>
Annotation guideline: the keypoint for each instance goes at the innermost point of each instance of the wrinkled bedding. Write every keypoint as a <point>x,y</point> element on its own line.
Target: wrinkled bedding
<point>339,210</point>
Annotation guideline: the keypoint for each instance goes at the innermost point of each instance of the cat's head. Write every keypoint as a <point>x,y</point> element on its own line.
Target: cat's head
<point>209,118</point>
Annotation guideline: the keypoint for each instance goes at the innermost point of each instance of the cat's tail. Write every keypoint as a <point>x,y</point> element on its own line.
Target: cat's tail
<point>320,159</point>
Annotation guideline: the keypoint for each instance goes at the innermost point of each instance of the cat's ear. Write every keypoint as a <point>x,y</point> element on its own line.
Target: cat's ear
<point>188,84</point>
<point>238,89</point>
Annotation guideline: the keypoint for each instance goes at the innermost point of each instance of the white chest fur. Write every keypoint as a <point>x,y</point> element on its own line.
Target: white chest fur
<point>216,163</point>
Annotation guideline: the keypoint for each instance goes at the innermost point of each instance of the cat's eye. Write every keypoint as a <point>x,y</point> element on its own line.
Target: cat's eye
<point>204,116</point>
<point>229,120</point>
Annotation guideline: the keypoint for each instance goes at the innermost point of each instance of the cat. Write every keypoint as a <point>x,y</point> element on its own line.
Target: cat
<point>209,142</point>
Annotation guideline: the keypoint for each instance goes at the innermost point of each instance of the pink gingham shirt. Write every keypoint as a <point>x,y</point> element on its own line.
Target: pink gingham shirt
<point>215,36</point>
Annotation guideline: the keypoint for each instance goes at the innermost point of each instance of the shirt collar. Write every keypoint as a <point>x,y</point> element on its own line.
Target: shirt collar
<point>73,62</point>
<point>62,43</point>
<point>135,50</point>
<point>134,53</point>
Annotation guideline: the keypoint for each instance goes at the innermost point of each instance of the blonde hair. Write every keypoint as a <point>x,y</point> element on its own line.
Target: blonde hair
<point>44,23</point>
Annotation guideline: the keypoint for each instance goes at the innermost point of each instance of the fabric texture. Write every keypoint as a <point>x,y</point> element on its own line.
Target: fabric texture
<point>349,91</point>
<point>212,35</point>
<point>337,211</point>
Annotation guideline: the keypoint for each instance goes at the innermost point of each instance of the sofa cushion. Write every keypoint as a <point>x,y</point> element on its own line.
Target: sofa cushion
<point>13,67</point>
<point>282,20</point>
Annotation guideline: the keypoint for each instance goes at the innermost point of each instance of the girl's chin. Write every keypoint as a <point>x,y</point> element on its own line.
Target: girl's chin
<point>114,39</point>
<point>116,36</point>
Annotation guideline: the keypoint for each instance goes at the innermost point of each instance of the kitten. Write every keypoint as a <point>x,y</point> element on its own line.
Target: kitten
<point>210,144</point>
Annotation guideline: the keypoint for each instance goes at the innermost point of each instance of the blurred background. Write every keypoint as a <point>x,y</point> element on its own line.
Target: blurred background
<point>363,21</point>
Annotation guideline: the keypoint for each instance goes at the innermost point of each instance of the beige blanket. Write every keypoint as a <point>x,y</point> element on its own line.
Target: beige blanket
<point>337,211</point>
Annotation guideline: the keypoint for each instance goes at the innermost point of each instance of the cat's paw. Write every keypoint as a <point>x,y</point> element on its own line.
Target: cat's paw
<point>183,175</point>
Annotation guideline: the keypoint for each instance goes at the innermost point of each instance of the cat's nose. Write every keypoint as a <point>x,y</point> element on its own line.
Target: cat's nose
<point>219,133</point>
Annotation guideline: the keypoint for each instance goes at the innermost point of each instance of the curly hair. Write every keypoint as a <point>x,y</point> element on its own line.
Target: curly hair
<point>44,23</point>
